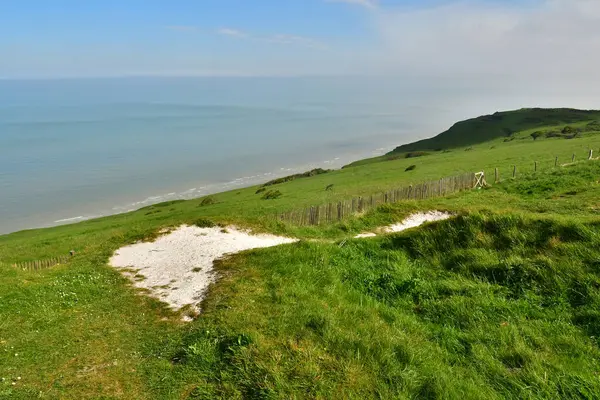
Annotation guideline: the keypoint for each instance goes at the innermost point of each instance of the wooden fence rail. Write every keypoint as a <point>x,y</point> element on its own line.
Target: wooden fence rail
<point>42,264</point>
<point>333,212</point>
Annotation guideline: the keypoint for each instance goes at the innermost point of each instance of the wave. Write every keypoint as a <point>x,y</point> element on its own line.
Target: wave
<point>76,219</point>
<point>197,192</point>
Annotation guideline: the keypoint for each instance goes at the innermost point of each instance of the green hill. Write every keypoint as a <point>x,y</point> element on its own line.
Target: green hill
<point>500,124</point>
<point>500,302</point>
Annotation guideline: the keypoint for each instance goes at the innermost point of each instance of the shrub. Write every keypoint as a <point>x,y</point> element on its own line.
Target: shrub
<point>262,189</point>
<point>204,223</point>
<point>207,201</point>
<point>272,195</point>
<point>593,126</point>
<point>410,168</point>
<point>313,172</point>
<point>329,187</point>
<point>169,203</point>
<point>568,129</point>
<point>536,134</point>
<point>414,154</point>
<point>552,134</point>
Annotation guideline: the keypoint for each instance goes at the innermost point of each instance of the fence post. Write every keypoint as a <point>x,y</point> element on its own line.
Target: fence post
<point>591,154</point>
<point>496,175</point>
<point>535,166</point>
<point>573,158</point>
<point>556,162</point>
<point>515,171</point>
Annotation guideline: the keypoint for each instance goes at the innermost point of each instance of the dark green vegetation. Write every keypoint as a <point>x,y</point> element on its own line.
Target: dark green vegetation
<point>499,302</point>
<point>308,174</point>
<point>500,124</point>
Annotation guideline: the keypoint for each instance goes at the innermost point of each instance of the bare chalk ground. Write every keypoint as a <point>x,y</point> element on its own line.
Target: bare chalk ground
<point>177,268</point>
<point>411,221</point>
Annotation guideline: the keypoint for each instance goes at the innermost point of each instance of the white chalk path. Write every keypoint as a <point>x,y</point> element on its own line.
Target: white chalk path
<point>412,221</point>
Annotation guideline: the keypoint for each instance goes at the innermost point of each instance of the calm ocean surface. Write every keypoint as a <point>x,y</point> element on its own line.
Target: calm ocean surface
<point>76,149</point>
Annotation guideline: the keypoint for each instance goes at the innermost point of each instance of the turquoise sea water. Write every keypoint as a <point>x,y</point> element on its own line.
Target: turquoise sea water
<point>76,149</point>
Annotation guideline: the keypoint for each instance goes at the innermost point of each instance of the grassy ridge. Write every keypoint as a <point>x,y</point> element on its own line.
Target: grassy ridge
<point>507,313</point>
<point>500,302</point>
<point>499,124</point>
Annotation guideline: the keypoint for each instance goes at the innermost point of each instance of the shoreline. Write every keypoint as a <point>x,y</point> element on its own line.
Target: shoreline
<point>200,191</point>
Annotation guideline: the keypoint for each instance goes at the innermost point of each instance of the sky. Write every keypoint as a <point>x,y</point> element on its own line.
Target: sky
<point>511,41</point>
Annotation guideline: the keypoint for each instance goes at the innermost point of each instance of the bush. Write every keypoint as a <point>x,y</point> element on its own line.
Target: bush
<point>262,189</point>
<point>552,134</point>
<point>204,223</point>
<point>568,130</point>
<point>308,174</point>
<point>536,134</point>
<point>414,154</point>
<point>272,195</point>
<point>410,168</point>
<point>207,201</point>
<point>593,126</point>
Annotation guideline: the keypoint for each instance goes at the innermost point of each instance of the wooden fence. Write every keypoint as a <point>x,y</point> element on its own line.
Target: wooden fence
<point>332,212</point>
<point>42,264</point>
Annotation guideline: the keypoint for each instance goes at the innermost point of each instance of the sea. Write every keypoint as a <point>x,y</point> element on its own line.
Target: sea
<point>76,149</point>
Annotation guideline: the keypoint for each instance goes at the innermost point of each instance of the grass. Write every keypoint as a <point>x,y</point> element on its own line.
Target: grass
<point>500,125</point>
<point>499,302</point>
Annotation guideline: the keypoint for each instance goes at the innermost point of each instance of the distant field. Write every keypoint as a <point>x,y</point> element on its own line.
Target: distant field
<point>500,302</point>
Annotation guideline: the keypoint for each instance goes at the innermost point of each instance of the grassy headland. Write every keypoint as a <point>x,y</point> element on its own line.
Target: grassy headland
<point>499,302</point>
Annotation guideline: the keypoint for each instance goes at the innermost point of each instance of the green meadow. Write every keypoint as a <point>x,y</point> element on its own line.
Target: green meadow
<point>501,301</point>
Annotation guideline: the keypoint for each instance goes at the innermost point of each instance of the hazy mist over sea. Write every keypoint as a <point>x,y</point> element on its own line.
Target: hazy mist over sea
<point>78,148</point>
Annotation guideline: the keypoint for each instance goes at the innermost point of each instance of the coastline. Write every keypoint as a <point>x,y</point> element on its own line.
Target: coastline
<point>201,190</point>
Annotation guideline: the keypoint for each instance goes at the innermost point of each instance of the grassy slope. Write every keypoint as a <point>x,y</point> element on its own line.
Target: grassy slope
<point>501,302</point>
<point>490,127</point>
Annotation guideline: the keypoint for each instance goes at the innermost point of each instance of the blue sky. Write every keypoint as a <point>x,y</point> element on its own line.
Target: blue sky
<point>67,38</point>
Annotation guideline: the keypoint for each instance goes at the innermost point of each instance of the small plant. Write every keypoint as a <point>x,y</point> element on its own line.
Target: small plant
<point>204,223</point>
<point>272,195</point>
<point>329,187</point>
<point>410,168</point>
<point>536,134</point>
<point>469,149</point>
<point>261,190</point>
<point>207,201</point>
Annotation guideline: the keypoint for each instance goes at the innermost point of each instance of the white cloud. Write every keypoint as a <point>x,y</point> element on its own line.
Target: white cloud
<point>232,33</point>
<point>554,38</point>
<point>278,38</point>
<point>294,40</point>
